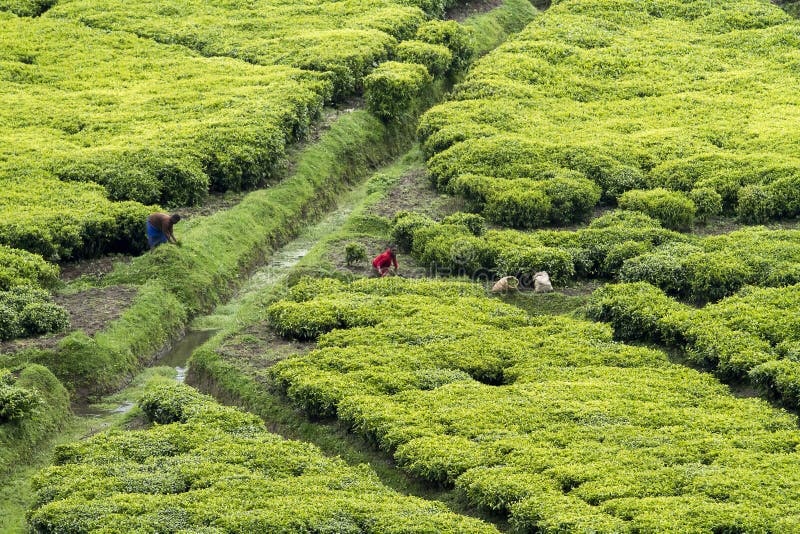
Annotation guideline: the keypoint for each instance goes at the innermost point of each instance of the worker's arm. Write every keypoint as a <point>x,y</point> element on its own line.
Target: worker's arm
<point>169,234</point>
<point>394,260</point>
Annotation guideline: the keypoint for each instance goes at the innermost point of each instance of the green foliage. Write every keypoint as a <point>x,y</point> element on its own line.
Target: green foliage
<point>219,470</point>
<point>20,268</point>
<point>392,91</point>
<point>343,39</point>
<point>26,8</point>
<point>34,405</point>
<point>518,207</point>
<point>436,58</point>
<point>588,89</point>
<point>451,34</point>
<point>62,221</point>
<point>555,424</point>
<point>734,337</point>
<point>672,209</point>
<point>707,201</point>
<point>168,404</point>
<point>16,403</point>
<point>686,271</point>
<point>404,225</point>
<point>27,311</point>
<point>355,253</point>
<point>472,221</point>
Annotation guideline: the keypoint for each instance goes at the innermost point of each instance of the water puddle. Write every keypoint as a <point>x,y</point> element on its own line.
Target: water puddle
<point>180,353</point>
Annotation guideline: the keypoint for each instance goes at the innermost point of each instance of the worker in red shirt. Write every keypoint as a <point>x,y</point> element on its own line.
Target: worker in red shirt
<point>382,262</point>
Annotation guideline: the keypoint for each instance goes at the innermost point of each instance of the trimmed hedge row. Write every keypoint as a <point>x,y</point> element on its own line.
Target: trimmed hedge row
<point>26,311</point>
<point>208,468</point>
<point>753,334</point>
<point>21,268</point>
<point>546,420</point>
<point>621,245</point>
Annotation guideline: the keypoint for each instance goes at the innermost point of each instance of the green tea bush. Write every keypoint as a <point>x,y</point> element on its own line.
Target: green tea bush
<point>355,253</point>
<point>33,406</point>
<point>26,8</point>
<point>735,337</point>
<point>27,311</point>
<point>756,204</point>
<point>404,225</point>
<point>16,403</point>
<point>436,58</point>
<point>20,268</point>
<point>555,425</point>
<point>685,271</point>
<point>518,207</point>
<point>707,201</point>
<point>472,221</point>
<point>392,90</point>
<point>673,209</point>
<point>451,35</point>
<point>219,470</point>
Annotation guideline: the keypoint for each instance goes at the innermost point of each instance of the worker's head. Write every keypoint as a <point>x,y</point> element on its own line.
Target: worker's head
<point>174,218</point>
<point>393,250</point>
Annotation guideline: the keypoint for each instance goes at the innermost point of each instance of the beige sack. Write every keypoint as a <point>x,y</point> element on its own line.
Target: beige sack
<point>505,284</point>
<point>541,283</point>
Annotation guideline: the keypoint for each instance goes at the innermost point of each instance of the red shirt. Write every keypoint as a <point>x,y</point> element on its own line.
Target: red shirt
<point>383,261</point>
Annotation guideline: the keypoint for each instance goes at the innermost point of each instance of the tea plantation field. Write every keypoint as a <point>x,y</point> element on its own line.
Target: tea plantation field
<point>642,152</point>
<point>108,109</point>
<point>208,468</point>
<point>545,419</point>
<point>679,109</point>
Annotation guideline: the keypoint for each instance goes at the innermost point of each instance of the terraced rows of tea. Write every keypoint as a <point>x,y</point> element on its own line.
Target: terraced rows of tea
<point>677,108</point>
<point>160,104</point>
<point>643,153</point>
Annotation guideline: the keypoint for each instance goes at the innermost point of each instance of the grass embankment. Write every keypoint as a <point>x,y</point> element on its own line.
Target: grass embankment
<point>33,407</point>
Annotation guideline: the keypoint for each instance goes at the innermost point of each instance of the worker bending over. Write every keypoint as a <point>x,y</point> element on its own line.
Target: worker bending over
<point>159,229</point>
<point>382,262</point>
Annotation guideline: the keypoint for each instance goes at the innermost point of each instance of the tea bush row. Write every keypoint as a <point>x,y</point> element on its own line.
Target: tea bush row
<point>209,468</point>
<point>545,419</point>
<point>343,39</point>
<point>149,122</point>
<point>621,245</point>
<point>753,334</point>
<point>689,96</point>
<point>20,268</point>
<point>67,221</point>
<point>26,311</point>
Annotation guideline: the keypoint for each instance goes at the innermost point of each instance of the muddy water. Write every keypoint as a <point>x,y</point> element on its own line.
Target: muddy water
<point>180,353</point>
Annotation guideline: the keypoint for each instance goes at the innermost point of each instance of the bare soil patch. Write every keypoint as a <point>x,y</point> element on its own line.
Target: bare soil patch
<point>91,311</point>
<point>94,268</point>
<point>414,192</point>
<point>258,347</point>
<point>466,9</point>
